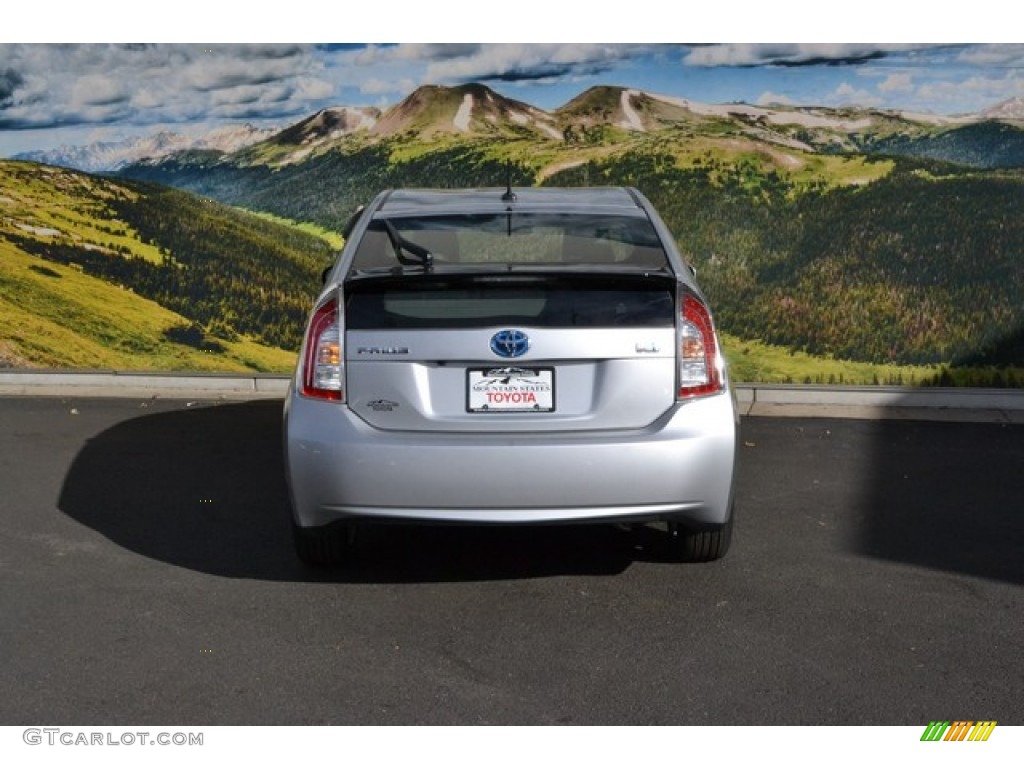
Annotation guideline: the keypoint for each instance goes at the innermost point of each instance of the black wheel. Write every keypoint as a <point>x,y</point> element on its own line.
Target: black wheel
<point>699,545</point>
<point>324,546</point>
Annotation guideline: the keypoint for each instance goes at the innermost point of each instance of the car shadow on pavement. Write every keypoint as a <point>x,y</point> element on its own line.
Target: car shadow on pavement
<point>203,488</point>
<point>947,496</point>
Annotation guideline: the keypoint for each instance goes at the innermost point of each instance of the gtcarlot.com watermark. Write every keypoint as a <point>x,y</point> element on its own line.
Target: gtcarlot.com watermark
<point>68,738</point>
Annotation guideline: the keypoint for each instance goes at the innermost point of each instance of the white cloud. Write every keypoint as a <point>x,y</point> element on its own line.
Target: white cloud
<point>377,87</point>
<point>846,95</point>
<point>527,62</point>
<point>898,82</point>
<point>419,52</point>
<point>229,66</point>
<point>759,54</point>
<point>978,91</point>
<point>1005,55</point>
<point>50,85</point>
<point>313,89</point>
<point>97,90</point>
<point>458,63</point>
<point>145,98</point>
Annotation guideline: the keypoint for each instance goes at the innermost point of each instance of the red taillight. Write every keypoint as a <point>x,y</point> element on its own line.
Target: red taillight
<point>323,363</point>
<point>699,371</point>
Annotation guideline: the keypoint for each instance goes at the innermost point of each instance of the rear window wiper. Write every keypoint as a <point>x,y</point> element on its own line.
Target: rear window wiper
<point>422,256</point>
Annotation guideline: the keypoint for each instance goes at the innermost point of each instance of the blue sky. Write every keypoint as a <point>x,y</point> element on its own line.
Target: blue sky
<point>54,94</point>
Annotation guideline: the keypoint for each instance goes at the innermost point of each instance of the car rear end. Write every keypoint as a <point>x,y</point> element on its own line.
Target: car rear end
<point>480,360</point>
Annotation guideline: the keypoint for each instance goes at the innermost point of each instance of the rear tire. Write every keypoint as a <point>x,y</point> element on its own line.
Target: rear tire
<point>324,546</point>
<point>699,546</point>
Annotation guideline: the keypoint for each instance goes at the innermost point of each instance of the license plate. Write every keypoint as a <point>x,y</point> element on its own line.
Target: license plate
<point>504,390</point>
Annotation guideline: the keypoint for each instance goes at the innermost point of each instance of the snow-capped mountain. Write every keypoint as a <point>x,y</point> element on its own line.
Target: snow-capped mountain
<point>1011,109</point>
<point>111,155</point>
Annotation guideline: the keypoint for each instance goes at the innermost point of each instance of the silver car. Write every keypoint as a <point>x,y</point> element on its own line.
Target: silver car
<point>506,357</point>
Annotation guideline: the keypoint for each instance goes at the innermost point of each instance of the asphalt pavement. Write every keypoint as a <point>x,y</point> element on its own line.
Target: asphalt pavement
<point>147,577</point>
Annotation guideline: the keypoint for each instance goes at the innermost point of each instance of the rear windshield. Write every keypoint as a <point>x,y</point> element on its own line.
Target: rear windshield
<point>469,301</point>
<point>515,238</point>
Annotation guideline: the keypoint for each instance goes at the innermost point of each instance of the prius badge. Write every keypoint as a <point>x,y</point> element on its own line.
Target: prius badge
<point>510,343</point>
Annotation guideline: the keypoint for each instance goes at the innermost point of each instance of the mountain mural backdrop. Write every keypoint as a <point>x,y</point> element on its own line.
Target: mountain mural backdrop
<point>851,245</point>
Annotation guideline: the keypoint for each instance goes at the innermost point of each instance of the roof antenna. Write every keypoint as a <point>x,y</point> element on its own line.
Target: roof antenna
<point>509,196</point>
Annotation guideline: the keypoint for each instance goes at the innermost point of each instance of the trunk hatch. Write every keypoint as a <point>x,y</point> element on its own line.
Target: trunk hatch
<point>510,352</point>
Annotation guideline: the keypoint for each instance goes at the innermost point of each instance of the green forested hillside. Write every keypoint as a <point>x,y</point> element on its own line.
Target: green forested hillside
<point>98,273</point>
<point>989,144</point>
<point>328,190</point>
<point>918,267</point>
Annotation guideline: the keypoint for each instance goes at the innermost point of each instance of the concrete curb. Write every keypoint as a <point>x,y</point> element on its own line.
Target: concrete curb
<point>931,403</point>
<point>136,384</point>
<point>1005,406</point>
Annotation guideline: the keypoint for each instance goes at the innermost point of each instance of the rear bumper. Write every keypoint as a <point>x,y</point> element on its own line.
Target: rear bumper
<point>679,468</point>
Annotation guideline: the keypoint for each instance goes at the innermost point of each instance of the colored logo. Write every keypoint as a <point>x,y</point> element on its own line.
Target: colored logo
<point>958,730</point>
<point>510,343</point>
